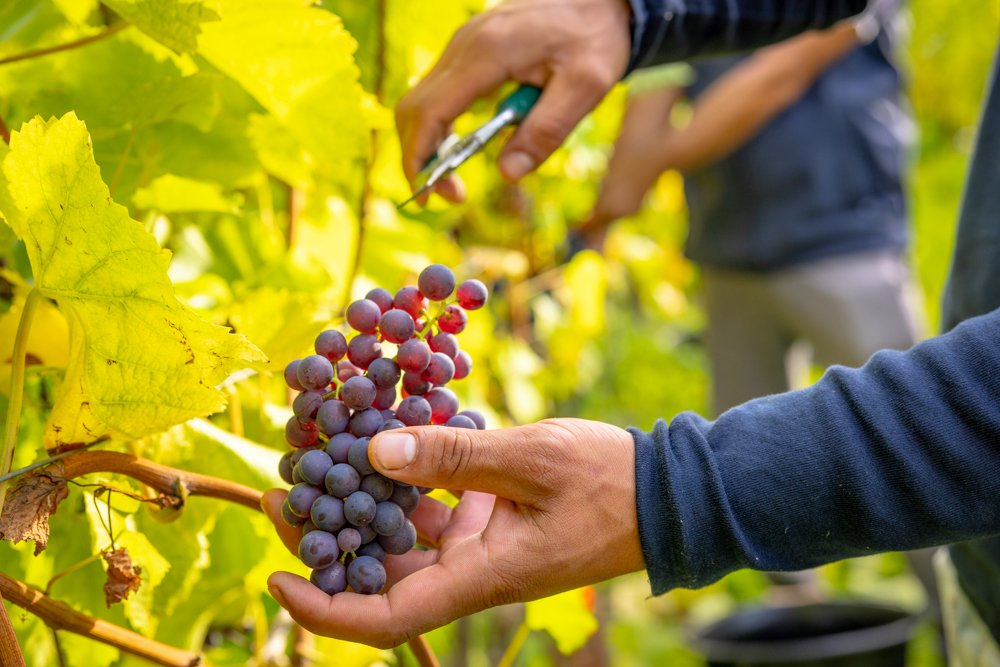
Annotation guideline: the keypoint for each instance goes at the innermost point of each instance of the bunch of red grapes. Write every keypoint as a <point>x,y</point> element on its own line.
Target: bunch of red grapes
<point>351,516</point>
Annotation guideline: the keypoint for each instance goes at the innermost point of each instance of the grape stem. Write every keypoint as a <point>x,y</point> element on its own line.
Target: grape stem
<point>10,652</point>
<point>515,646</point>
<point>37,53</point>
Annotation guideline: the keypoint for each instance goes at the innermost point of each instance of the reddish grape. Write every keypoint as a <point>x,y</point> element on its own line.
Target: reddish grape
<point>440,371</point>
<point>339,445</point>
<point>289,516</point>
<point>411,300</point>
<point>285,467</point>
<point>476,417</point>
<point>349,539</point>
<point>384,398</point>
<point>291,375</point>
<point>306,404</point>
<point>358,393</point>
<point>415,385</point>
<point>366,575</point>
<point>472,294</point>
<point>331,579</point>
<point>318,549</point>
<point>363,315</point>
<point>402,541</point>
<point>436,282</point>
<point>463,365</point>
<point>331,344</point>
<point>365,423</point>
<point>396,326</point>
<point>382,297</point>
<point>414,411</point>
<point>391,425</point>
<point>301,498</point>
<point>363,350</point>
<point>444,342</point>
<point>444,404</point>
<point>327,513</point>
<point>413,356</point>
<point>298,436</point>
<point>453,319</point>
<point>332,418</point>
<point>315,372</point>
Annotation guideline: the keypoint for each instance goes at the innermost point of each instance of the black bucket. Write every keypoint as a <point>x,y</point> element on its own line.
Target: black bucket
<point>820,635</point>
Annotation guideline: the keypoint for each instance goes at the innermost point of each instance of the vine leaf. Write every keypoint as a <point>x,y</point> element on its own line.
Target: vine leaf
<point>30,503</point>
<point>140,361</point>
<point>567,617</point>
<point>123,576</point>
<point>173,23</point>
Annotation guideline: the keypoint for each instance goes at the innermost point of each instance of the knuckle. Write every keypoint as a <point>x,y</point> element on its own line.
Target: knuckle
<point>547,133</point>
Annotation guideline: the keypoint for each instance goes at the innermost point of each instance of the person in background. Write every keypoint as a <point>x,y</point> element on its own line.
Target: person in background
<point>899,454</point>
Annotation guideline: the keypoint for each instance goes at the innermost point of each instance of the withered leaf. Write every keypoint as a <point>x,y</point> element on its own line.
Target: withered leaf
<point>29,504</point>
<point>123,576</point>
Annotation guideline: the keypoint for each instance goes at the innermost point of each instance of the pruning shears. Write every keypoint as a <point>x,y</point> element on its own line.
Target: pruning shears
<point>455,150</point>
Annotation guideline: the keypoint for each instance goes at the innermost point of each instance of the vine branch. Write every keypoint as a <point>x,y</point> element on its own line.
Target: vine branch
<point>60,616</point>
<point>10,652</point>
<point>83,41</point>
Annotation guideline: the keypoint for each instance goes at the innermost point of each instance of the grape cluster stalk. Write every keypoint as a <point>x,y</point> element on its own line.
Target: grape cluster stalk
<point>351,516</point>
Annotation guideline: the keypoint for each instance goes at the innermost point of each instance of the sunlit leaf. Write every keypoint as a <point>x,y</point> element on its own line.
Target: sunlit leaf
<point>568,617</point>
<point>175,23</point>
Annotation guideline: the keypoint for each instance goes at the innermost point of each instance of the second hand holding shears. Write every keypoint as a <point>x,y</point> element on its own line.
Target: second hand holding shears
<point>455,150</point>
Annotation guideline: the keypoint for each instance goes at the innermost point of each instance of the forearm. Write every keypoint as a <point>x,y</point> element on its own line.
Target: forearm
<point>897,455</point>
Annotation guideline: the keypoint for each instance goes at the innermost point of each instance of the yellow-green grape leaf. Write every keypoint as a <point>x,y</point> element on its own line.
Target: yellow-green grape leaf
<point>567,617</point>
<point>173,23</point>
<point>76,11</point>
<point>139,361</point>
<point>169,194</point>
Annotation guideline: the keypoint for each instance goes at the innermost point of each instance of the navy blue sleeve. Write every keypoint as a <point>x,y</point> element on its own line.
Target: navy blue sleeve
<point>900,454</point>
<point>670,30</point>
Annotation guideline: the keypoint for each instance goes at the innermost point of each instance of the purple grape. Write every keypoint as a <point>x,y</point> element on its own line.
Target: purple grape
<point>338,446</point>
<point>377,486</point>
<point>410,300</point>
<point>363,350</point>
<point>413,356</point>
<point>368,535</point>
<point>349,540</point>
<point>298,435</point>
<point>472,294</point>
<point>461,421</point>
<point>363,315</point>
<point>301,498</point>
<point>436,282</point>
<point>318,549</point>
<point>414,411</point>
<point>371,549</point>
<point>285,467</point>
<point>463,365</point>
<point>388,519</point>
<point>359,508</point>
<point>453,319</point>
<point>332,579</point>
<point>315,372</point>
<point>313,465</point>
<point>415,385</point>
<point>328,513</point>
<point>365,423</point>
<point>391,425</point>
<point>358,457</point>
<point>299,453</point>
<point>440,371</point>
<point>382,297</point>
<point>331,344</point>
<point>444,342</point>
<point>401,541</point>
<point>384,398</point>
<point>306,404</point>
<point>366,575</point>
<point>296,476</point>
<point>396,326</point>
<point>289,516</point>
<point>358,393</point>
<point>342,480</point>
<point>406,497</point>
<point>384,372</point>
<point>387,415</point>
<point>476,417</point>
<point>291,375</point>
<point>332,417</point>
<point>444,404</point>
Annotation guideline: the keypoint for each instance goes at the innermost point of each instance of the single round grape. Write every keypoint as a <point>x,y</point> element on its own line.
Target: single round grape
<point>388,519</point>
<point>359,508</point>
<point>384,372</point>
<point>328,513</point>
<point>472,294</point>
<point>387,415</point>
<point>313,467</point>
<point>444,404</point>
<point>377,486</point>
<point>290,517</point>
<point>453,319</point>
<point>406,497</point>
<point>391,425</point>
<point>413,356</point>
<point>299,453</point>
<point>342,480</point>
<point>436,282</point>
<point>365,423</point>
<point>368,534</point>
<point>414,411</point>
<point>363,315</point>
<point>401,541</point>
<point>444,342</point>
<point>411,300</point>
<point>297,435</point>
<point>366,575</point>
<point>382,297</point>
<point>358,393</point>
<point>333,417</point>
<point>463,365</point>
<point>384,398</point>
<point>306,404</point>
<point>396,326</point>
<point>315,372</point>
<point>461,421</point>
<point>415,385</point>
<point>285,467</point>
<point>301,498</point>
<point>331,344</point>
<point>338,446</point>
<point>346,370</point>
<point>292,377</point>
<point>363,350</point>
<point>332,579</point>
<point>349,540</point>
<point>297,476</point>
<point>318,549</point>
<point>372,549</point>
<point>476,417</point>
<point>357,456</point>
<point>440,371</point>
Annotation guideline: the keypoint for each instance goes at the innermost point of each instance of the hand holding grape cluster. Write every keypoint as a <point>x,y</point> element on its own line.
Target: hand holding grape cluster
<point>351,516</point>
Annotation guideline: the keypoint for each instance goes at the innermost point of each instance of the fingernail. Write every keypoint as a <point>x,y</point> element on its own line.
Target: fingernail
<point>516,165</point>
<point>276,594</point>
<point>394,450</point>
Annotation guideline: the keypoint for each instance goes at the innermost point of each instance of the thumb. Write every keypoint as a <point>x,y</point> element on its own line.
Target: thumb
<point>497,461</point>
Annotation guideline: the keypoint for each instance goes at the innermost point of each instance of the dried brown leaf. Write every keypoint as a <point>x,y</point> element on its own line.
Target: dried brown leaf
<point>123,576</point>
<point>29,504</point>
